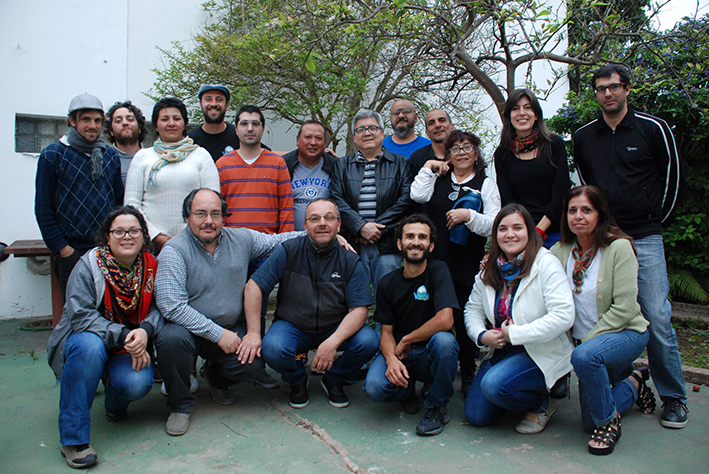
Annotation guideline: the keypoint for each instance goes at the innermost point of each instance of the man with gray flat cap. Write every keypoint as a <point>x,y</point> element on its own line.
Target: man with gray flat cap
<point>78,183</point>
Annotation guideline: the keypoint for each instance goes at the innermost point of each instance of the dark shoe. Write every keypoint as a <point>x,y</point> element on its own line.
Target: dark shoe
<point>646,399</point>
<point>433,421</point>
<point>674,413</point>
<point>607,435</point>
<point>221,396</point>
<point>561,387</point>
<point>412,404</point>
<point>177,424</point>
<point>116,417</point>
<point>335,394</point>
<point>467,376</point>
<point>80,456</point>
<point>299,395</point>
<point>266,381</point>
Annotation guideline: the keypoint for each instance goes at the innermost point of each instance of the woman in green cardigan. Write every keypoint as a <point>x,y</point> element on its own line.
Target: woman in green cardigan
<point>609,330</point>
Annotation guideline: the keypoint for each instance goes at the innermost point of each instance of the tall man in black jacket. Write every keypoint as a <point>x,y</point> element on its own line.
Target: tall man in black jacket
<point>633,158</point>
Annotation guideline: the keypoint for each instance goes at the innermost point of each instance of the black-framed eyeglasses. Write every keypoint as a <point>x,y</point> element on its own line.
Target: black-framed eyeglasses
<point>253,123</point>
<point>215,215</point>
<point>134,233</point>
<point>370,129</point>
<point>457,149</point>
<point>615,87</point>
<point>316,219</point>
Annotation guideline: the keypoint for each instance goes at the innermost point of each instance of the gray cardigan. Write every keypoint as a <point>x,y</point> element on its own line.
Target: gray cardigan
<point>84,292</point>
<point>616,289</point>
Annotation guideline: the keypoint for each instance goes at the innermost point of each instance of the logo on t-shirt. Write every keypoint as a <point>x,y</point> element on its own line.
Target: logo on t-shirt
<point>228,150</point>
<point>335,275</point>
<point>421,293</point>
<point>310,192</point>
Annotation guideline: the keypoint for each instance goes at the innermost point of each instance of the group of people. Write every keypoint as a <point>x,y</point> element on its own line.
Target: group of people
<point>170,252</point>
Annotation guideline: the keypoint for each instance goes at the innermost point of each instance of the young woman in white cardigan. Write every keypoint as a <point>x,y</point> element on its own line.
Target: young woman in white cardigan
<point>609,329</point>
<point>524,296</point>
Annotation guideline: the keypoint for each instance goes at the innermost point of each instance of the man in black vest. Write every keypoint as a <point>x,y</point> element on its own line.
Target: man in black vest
<point>322,304</point>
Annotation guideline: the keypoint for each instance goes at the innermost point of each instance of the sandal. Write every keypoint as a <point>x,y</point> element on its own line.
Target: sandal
<point>608,435</point>
<point>646,399</point>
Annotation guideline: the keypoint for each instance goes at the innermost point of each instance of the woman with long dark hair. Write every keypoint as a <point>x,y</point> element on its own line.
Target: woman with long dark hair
<point>523,295</point>
<point>531,165</point>
<point>445,189</point>
<point>108,319</point>
<point>609,329</point>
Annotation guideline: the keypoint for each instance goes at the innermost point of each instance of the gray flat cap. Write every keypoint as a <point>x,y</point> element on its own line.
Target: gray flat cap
<point>85,101</point>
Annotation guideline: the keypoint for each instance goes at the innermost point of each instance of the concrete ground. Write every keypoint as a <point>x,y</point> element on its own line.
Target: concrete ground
<point>260,433</point>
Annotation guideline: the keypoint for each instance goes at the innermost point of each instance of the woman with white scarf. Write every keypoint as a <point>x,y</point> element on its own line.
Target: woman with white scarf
<point>160,177</point>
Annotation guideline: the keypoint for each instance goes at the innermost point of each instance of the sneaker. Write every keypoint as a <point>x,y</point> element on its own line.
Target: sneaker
<point>194,386</point>
<point>299,395</point>
<point>412,404</point>
<point>266,381</point>
<point>433,421</point>
<point>335,394</point>
<point>177,424</point>
<point>79,456</point>
<point>674,413</point>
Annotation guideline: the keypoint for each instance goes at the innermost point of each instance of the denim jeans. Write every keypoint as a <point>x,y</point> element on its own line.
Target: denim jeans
<point>506,383</point>
<point>283,341</point>
<point>176,348</point>
<point>378,265</point>
<point>86,361</point>
<point>434,363</point>
<point>662,350</point>
<point>600,363</point>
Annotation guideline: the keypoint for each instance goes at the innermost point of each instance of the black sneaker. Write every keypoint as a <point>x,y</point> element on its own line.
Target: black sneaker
<point>299,395</point>
<point>412,404</point>
<point>433,421</point>
<point>335,394</point>
<point>674,413</point>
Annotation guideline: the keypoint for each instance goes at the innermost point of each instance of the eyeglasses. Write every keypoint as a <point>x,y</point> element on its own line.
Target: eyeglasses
<point>457,149</point>
<point>253,123</point>
<point>615,87</point>
<point>402,111</point>
<point>215,215</point>
<point>120,233</point>
<point>316,219</point>
<point>370,129</point>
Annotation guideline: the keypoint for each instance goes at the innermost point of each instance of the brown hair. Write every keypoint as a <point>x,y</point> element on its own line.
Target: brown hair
<point>507,137</point>
<point>606,230</point>
<point>459,136</point>
<point>490,275</point>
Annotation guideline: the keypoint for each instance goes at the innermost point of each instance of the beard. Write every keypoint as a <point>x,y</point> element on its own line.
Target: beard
<point>403,130</point>
<point>218,119</point>
<point>122,139</point>
<point>424,255</point>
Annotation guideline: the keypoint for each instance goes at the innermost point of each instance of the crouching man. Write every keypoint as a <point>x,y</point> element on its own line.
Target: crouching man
<point>415,307</point>
<point>323,297</point>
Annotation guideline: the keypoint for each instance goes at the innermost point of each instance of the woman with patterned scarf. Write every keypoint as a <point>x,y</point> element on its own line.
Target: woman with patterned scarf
<point>524,298</point>
<point>108,319</point>
<point>609,330</point>
<point>160,177</point>
<point>531,165</point>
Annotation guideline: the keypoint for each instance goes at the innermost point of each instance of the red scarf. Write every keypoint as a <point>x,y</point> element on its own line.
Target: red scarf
<point>527,143</point>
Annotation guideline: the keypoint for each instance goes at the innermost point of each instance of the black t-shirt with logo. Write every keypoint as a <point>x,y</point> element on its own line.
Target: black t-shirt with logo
<point>408,303</point>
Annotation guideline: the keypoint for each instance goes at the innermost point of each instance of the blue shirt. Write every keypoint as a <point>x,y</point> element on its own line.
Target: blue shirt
<point>406,149</point>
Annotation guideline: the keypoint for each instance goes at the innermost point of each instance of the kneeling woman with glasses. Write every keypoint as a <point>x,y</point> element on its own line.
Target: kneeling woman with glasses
<point>603,272</point>
<point>108,319</point>
<point>524,296</point>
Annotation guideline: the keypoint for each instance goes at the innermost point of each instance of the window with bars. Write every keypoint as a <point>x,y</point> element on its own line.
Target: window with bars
<point>34,132</point>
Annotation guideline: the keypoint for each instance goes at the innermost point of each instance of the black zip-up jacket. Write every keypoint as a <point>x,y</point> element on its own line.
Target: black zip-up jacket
<point>291,159</point>
<point>637,167</point>
<point>394,179</point>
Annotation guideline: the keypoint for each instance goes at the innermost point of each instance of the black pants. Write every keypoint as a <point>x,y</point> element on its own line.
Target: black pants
<point>64,265</point>
<point>468,349</point>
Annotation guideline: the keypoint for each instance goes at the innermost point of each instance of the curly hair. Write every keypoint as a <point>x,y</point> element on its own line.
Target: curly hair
<point>139,117</point>
<point>105,227</point>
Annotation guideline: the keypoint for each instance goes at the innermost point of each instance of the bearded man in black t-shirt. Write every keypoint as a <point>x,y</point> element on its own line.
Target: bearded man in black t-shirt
<point>415,307</point>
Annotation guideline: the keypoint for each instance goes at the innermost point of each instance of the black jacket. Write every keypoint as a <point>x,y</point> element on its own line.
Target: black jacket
<point>393,195</point>
<point>637,167</point>
<point>328,165</point>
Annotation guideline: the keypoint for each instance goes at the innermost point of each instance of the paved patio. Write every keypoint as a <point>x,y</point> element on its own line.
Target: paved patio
<point>260,433</point>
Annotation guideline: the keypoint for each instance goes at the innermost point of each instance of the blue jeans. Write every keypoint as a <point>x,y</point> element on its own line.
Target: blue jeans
<point>662,350</point>
<point>86,361</point>
<point>378,265</point>
<point>434,363</point>
<point>600,363</point>
<point>283,341</point>
<point>506,383</point>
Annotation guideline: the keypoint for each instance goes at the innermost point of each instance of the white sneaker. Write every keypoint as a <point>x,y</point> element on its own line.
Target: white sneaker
<point>194,386</point>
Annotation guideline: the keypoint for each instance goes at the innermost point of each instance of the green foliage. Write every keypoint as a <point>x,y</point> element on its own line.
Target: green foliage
<point>684,286</point>
<point>670,73</point>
